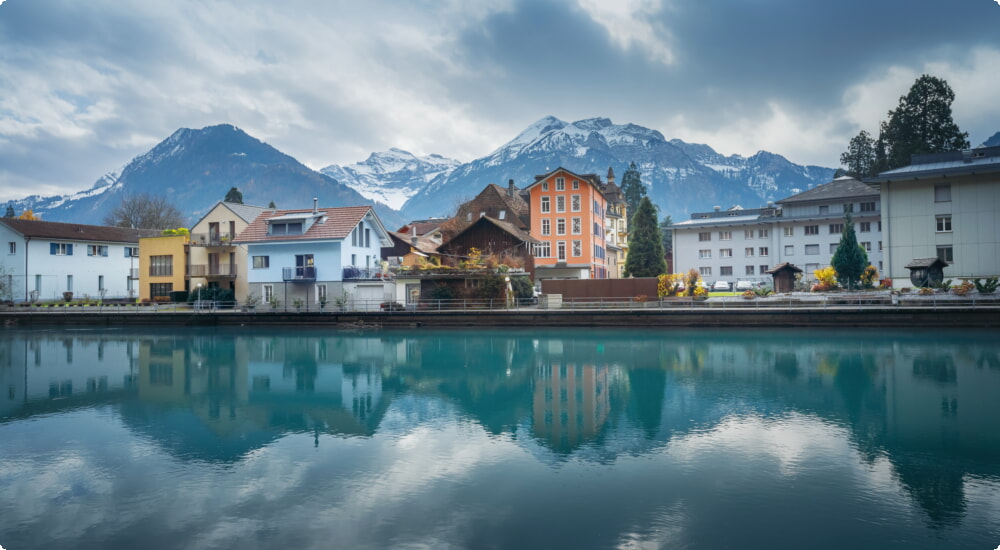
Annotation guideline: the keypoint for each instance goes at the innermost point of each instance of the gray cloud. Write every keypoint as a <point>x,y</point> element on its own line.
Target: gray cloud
<point>84,87</point>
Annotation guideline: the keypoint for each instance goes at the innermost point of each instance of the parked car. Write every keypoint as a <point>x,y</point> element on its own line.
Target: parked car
<point>720,285</point>
<point>745,285</point>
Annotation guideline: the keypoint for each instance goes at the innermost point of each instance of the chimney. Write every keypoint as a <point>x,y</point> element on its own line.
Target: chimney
<point>315,205</point>
<point>511,190</point>
<point>413,241</point>
<point>717,208</point>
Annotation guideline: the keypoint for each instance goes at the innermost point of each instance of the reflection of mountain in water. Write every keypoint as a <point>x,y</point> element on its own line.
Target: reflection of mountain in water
<point>219,395</point>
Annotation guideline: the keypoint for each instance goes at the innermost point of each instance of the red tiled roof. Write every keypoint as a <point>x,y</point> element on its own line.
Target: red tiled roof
<point>338,224</point>
<point>77,232</point>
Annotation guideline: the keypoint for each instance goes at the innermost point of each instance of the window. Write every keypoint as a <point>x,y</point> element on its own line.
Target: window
<point>161,266</point>
<point>12,247</point>
<point>502,215</point>
<point>726,270</point>
<point>824,209</point>
<point>131,251</point>
<point>286,228</point>
<point>762,251</point>
<point>704,254</point>
<point>61,249</point>
<point>749,270</point>
<point>561,250</point>
<point>261,262</point>
<point>368,238</point>
<point>545,186</point>
<point>945,254</point>
<point>848,207</point>
<point>100,283</point>
<point>810,268</point>
<point>763,269</point>
<point>268,293</point>
<point>836,228</point>
<point>97,250</point>
<point>160,289</point>
<point>561,203</point>
<point>560,226</point>
<point>763,233</point>
<point>880,246</point>
<point>577,226</point>
<point>867,245</point>
<point>725,235</point>
<point>833,247</point>
<point>812,249</point>
<point>545,205</point>
<point>543,250</point>
<point>597,230</point>
<point>578,248</point>
<point>560,184</point>
<point>320,293</point>
<point>943,223</point>
<point>942,193</point>
<point>748,252</point>
<point>546,227</point>
<point>705,271</point>
<point>865,227</point>
<point>703,237</point>
<point>868,207</point>
<point>574,203</point>
<point>789,231</point>
<point>789,250</point>
<point>576,184</point>
<point>725,252</point>
<point>748,234</point>
<point>812,230</point>
<point>69,283</point>
<point>880,226</point>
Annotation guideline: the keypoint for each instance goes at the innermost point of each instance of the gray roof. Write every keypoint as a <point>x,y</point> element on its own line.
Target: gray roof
<point>77,232</point>
<point>721,220</point>
<point>973,161</point>
<point>840,188</point>
<point>245,211</point>
<point>918,263</point>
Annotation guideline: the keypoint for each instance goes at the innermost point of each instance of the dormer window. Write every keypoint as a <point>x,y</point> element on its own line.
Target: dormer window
<point>286,228</point>
<point>502,214</point>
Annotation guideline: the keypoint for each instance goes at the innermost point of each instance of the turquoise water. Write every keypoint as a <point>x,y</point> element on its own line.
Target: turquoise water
<point>570,438</point>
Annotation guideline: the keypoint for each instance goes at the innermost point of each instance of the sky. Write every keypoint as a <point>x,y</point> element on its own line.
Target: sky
<point>87,86</point>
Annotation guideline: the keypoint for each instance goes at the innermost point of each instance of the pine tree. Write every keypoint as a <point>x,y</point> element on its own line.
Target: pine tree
<point>850,259</point>
<point>632,188</point>
<point>921,124</point>
<point>645,251</point>
<point>234,196</point>
<point>271,205</point>
<point>859,157</point>
<point>10,212</point>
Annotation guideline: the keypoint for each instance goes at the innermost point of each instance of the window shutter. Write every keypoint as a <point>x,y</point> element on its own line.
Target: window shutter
<point>52,249</point>
<point>104,252</point>
<point>127,250</point>
<point>69,249</point>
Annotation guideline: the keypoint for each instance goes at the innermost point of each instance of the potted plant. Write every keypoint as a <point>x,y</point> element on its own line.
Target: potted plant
<point>252,301</point>
<point>68,296</point>
<point>274,303</point>
<point>297,304</point>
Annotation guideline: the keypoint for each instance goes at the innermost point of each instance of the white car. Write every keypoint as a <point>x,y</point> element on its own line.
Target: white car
<point>720,285</point>
<point>745,285</point>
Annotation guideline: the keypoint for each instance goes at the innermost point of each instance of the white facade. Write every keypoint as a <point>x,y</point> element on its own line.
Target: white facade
<point>945,206</point>
<point>803,230</point>
<point>44,267</point>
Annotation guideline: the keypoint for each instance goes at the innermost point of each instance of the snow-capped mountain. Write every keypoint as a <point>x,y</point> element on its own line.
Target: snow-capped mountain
<point>681,177</point>
<point>195,169</point>
<point>392,177</point>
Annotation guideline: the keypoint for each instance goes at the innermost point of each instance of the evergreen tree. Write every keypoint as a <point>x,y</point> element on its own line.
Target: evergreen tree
<point>645,250</point>
<point>271,205</point>
<point>234,195</point>
<point>921,124</point>
<point>632,188</point>
<point>668,234</point>
<point>850,259</point>
<point>859,157</point>
<point>10,212</point>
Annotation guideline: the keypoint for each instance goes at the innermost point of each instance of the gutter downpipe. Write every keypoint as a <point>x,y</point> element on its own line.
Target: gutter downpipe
<point>27,248</point>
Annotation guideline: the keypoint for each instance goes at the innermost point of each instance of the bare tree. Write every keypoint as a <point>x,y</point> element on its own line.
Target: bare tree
<point>145,211</point>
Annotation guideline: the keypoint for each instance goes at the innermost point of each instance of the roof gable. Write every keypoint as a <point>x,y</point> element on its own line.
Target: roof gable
<point>589,178</point>
<point>330,224</point>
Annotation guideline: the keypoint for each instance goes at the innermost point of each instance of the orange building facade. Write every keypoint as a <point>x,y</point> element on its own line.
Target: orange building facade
<point>568,221</point>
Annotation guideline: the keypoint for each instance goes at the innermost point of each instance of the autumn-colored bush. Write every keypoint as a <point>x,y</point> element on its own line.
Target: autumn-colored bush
<point>827,279</point>
<point>669,284</point>
<point>964,288</point>
<point>869,276</point>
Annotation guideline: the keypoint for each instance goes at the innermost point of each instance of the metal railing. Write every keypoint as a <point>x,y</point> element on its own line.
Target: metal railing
<point>364,273</point>
<point>212,239</point>
<point>220,270</point>
<point>299,273</point>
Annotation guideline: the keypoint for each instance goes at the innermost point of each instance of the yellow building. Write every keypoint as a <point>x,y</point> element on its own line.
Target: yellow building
<point>162,266</point>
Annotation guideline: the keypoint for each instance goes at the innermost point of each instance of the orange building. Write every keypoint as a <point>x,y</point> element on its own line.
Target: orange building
<point>568,221</point>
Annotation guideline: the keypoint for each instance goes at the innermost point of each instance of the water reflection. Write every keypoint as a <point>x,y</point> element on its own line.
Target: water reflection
<point>921,403</point>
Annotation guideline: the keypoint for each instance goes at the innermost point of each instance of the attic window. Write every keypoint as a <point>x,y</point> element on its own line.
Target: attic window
<point>286,228</point>
<point>502,214</point>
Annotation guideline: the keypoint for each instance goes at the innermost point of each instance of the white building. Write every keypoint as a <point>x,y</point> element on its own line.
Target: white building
<point>804,230</point>
<point>946,206</point>
<point>43,260</point>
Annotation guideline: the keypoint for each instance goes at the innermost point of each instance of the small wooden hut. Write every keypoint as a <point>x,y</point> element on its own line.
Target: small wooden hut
<point>784,276</point>
<point>926,272</point>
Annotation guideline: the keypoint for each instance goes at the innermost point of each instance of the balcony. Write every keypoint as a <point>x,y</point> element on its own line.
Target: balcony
<point>220,270</point>
<point>302,273</point>
<point>133,273</point>
<point>352,273</point>
<point>212,239</point>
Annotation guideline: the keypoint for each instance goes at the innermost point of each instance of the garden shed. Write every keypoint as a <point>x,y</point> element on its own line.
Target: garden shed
<point>784,276</point>
<point>926,272</point>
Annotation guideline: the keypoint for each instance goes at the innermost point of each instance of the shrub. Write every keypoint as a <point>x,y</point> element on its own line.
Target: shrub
<point>491,288</point>
<point>987,287</point>
<point>869,276</point>
<point>668,284</point>
<point>763,291</point>
<point>925,290</point>
<point>964,288</point>
<point>691,286</point>
<point>523,289</point>
<point>441,292</point>
<point>68,296</point>
<point>827,278</point>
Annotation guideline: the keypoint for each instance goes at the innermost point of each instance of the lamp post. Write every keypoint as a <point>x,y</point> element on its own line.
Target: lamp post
<point>197,300</point>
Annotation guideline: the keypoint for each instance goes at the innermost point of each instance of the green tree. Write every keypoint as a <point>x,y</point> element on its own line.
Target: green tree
<point>850,259</point>
<point>632,188</point>
<point>645,250</point>
<point>10,212</point>
<point>921,124</point>
<point>859,159</point>
<point>234,195</point>
<point>271,205</point>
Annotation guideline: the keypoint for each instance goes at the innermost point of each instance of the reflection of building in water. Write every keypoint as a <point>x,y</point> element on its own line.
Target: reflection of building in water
<point>571,403</point>
<point>45,373</point>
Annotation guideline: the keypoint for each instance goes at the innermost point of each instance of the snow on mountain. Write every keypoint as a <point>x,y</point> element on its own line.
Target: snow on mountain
<point>391,177</point>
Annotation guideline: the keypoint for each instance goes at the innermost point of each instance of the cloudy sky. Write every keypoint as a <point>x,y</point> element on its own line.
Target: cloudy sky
<point>86,86</point>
